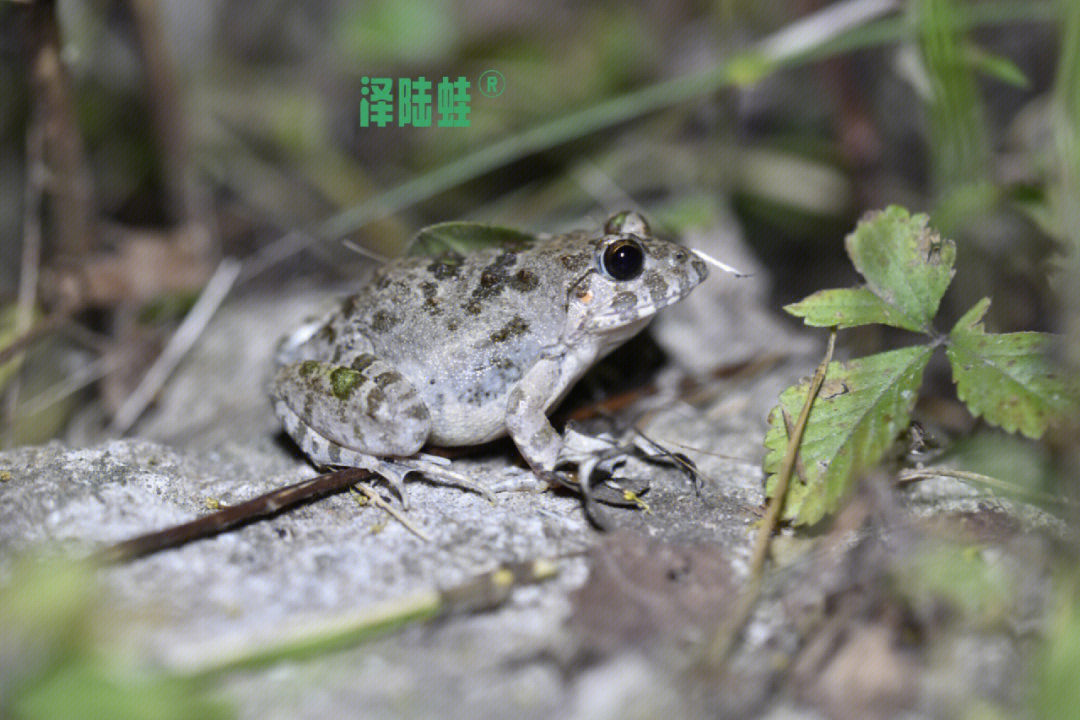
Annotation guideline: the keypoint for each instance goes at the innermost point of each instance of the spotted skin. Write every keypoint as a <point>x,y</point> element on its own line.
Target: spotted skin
<point>461,349</point>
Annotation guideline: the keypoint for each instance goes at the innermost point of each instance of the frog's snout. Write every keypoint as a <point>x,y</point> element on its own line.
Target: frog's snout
<point>699,269</point>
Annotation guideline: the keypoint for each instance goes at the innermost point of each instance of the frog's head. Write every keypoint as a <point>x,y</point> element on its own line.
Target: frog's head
<point>631,276</point>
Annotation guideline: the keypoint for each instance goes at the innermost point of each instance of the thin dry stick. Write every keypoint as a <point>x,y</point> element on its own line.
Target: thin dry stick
<point>913,474</point>
<point>725,638</point>
<point>68,385</point>
<point>392,512</point>
<point>309,635</point>
<point>179,344</point>
<point>233,516</point>
<point>165,107</point>
<point>40,329</point>
<point>72,213</point>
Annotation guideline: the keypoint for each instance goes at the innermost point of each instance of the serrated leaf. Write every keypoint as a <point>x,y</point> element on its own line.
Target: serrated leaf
<point>844,308</point>
<point>1008,378</point>
<point>862,407</point>
<point>466,237</point>
<point>905,263</point>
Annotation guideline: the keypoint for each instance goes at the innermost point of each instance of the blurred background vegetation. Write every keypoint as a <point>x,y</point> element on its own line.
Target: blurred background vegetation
<point>141,142</point>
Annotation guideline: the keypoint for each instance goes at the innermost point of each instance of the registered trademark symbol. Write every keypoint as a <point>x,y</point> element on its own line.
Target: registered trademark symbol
<point>492,83</point>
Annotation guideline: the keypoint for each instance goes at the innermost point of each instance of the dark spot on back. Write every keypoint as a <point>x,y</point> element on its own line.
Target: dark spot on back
<point>418,411</point>
<point>574,262</point>
<point>375,400</point>
<point>493,279</point>
<point>363,362</point>
<point>387,378</point>
<point>524,281</point>
<point>430,290</point>
<point>445,266</point>
<point>516,326</point>
<point>383,321</point>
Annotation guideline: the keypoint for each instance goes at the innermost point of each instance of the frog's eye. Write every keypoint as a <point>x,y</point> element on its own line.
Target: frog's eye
<point>623,259</point>
<point>626,223</point>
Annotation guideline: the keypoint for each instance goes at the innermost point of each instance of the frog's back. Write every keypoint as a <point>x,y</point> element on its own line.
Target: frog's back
<point>464,329</point>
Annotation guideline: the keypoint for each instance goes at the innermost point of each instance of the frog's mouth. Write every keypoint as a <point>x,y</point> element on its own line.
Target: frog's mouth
<point>625,316</point>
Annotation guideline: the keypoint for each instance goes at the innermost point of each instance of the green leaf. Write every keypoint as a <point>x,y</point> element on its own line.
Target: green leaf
<point>1008,378</point>
<point>905,263</point>
<point>845,308</point>
<point>862,407</point>
<point>466,237</point>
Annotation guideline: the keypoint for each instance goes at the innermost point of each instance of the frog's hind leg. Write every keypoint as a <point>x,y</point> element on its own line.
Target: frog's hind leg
<point>363,415</point>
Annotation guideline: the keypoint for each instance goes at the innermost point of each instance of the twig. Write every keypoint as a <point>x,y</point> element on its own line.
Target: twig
<point>69,385</point>
<point>73,209</point>
<point>40,329</point>
<point>725,638</point>
<point>179,344</point>
<point>234,516</point>
<point>913,474</point>
<point>392,512</point>
<point>165,107</point>
<point>311,635</point>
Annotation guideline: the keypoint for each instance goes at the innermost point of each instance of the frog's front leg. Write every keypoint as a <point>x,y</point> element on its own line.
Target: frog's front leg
<point>544,449</point>
<point>527,423</point>
<point>364,414</point>
<point>528,426</point>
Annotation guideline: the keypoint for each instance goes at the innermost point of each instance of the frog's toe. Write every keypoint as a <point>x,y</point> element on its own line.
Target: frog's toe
<point>437,468</point>
<point>432,467</point>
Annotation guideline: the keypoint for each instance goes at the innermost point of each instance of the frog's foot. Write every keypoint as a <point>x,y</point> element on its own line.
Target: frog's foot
<point>394,470</point>
<point>605,454</point>
<point>438,469</point>
<point>597,458</point>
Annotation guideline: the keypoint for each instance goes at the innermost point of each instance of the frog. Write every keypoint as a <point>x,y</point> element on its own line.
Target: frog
<point>464,347</point>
